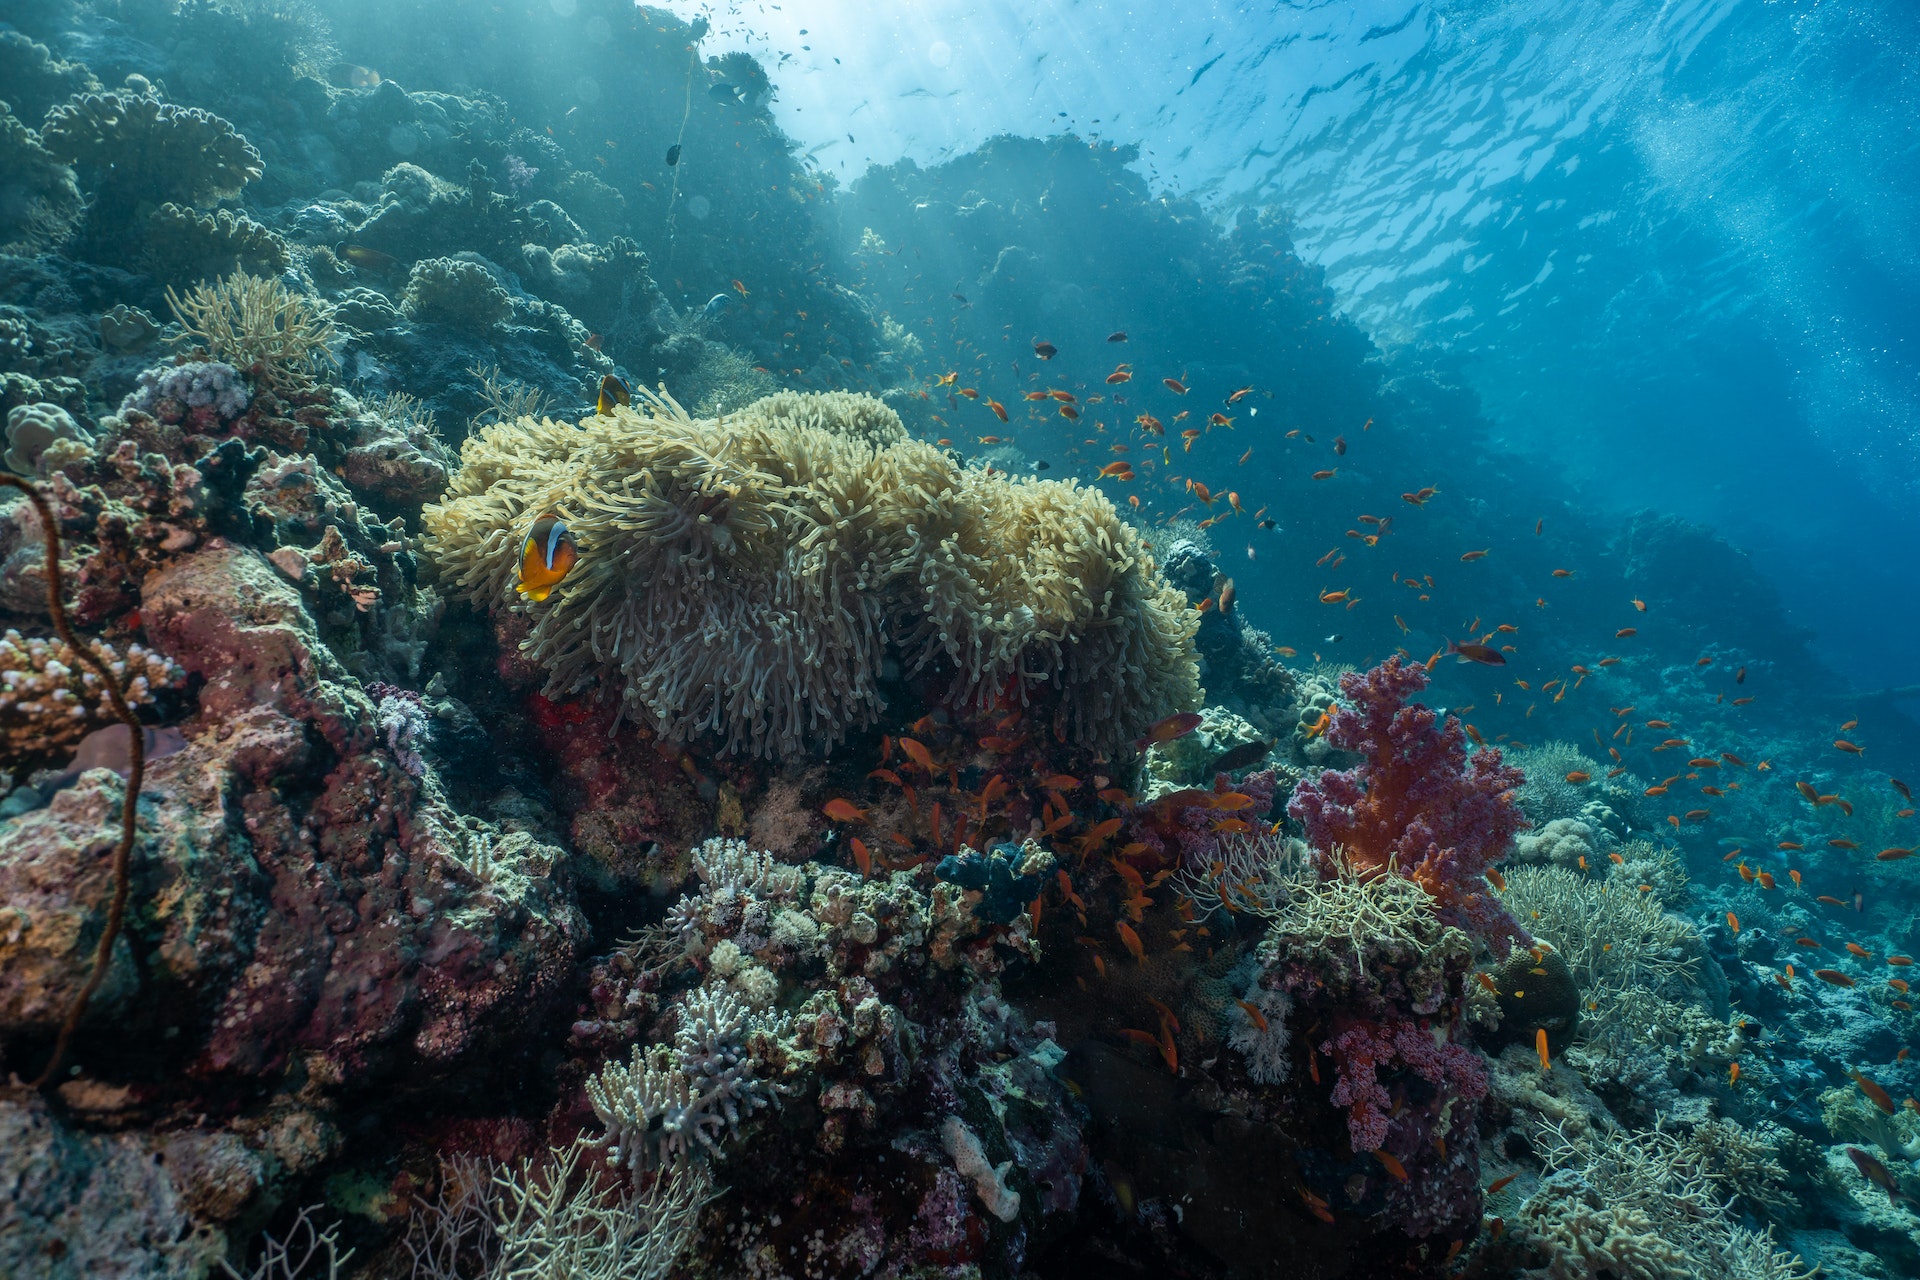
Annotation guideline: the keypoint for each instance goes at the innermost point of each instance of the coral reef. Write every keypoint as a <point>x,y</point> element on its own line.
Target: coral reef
<point>42,203</point>
<point>185,246</point>
<point>782,531</point>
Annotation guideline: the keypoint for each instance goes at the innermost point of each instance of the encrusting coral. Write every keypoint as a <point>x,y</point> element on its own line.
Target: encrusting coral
<point>753,575</point>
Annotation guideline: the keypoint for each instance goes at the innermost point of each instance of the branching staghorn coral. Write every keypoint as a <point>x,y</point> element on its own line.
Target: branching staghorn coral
<point>552,1220</point>
<point>670,1104</point>
<point>1640,1206</point>
<point>749,576</point>
<point>259,325</point>
<point>1616,940</point>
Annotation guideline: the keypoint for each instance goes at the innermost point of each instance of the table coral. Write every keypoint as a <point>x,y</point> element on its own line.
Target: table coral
<point>752,575</point>
<point>1416,803</point>
<point>148,149</point>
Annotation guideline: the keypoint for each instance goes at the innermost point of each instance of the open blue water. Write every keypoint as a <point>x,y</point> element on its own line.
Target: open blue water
<point>1674,246</point>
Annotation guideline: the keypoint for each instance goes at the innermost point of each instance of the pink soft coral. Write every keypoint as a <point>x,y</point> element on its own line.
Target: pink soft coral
<point>1416,803</point>
<point>1362,1048</point>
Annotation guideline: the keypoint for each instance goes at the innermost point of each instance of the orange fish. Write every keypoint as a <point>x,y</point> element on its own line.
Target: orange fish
<point>1324,475</point>
<point>1900,961</point>
<point>1834,976</point>
<point>1578,776</point>
<point>1258,1018</point>
<point>1733,922</point>
<point>1858,950</point>
<point>1475,555</point>
<point>1174,726</point>
<point>1219,420</point>
<point>1641,605</point>
<point>1391,1165</point>
<point>844,811</point>
<point>1875,1094</point>
<point>862,858</point>
<point>1131,940</point>
<point>1117,471</point>
<point>917,753</point>
<point>1174,385</point>
<point>999,410</point>
<point>1563,573</point>
<point>1733,1074</point>
<point>1893,855</point>
<point>1540,1047</point>
<point>1851,748</point>
<point>1121,374</point>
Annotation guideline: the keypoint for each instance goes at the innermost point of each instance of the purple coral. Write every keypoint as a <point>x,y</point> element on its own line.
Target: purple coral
<point>1416,802</point>
<point>1362,1049</point>
<point>201,384</point>
<point>520,174</point>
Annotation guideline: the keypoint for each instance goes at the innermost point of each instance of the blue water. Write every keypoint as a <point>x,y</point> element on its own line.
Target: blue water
<point>1671,245</point>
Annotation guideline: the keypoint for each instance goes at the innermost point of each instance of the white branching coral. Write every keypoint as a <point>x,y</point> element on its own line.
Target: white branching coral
<point>673,1103</point>
<point>752,576</point>
<point>1641,1206</point>
<point>1263,1039</point>
<point>49,700</point>
<point>1619,943</point>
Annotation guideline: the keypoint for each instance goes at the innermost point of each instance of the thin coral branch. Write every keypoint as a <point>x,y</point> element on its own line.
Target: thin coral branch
<point>136,774</point>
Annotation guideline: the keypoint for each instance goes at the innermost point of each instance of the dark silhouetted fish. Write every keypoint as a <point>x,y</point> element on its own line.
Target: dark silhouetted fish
<point>673,155</point>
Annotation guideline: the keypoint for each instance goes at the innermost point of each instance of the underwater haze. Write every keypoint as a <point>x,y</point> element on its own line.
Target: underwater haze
<point>959,640</point>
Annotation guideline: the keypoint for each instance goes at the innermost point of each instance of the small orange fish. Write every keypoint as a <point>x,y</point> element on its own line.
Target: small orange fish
<point>1324,475</point>
<point>1486,981</point>
<point>1540,1047</point>
<point>1391,1165</point>
<point>1733,1073</point>
<point>1893,854</point>
<point>1499,1184</point>
<point>1900,961</point>
<point>844,811</point>
<point>1830,900</point>
<point>1733,922</point>
<point>1475,555</point>
<point>1578,776</point>
<point>1119,375</point>
<point>1258,1018</point>
<point>1174,385</point>
<point>917,753</point>
<point>1851,748</point>
<point>1131,941</point>
<point>862,858</point>
<point>1855,948</point>
<point>1117,471</point>
<point>1833,976</point>
<point>1174,726</point>
<point>1898,984</point>
<point>1875,1094</point>
<point>1563,573</point>
<point>1806,942</point>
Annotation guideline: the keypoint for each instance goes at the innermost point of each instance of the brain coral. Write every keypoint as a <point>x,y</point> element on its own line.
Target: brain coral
<point>749,575</point>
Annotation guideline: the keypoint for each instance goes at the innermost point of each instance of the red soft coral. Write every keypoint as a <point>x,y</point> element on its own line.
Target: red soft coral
<point>1416,802</point>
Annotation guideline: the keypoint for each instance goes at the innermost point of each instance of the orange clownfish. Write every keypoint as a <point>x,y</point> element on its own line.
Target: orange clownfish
<point>546,557</point>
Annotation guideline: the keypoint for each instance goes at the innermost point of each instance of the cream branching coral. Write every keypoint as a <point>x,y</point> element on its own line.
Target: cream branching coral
<point>750,575</point>
<point>49,700</point>
<point>257,324</point>
<point>1619,942</point>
